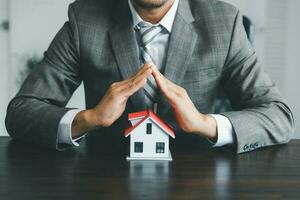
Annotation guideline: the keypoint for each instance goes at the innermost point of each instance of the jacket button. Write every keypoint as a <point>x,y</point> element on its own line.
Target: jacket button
<point>246,147</point>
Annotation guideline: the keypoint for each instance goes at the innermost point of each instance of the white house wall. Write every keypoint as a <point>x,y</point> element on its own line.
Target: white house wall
<point>149,140</point>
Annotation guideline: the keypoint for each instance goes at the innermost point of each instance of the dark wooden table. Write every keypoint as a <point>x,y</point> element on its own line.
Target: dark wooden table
<point>100,171</point>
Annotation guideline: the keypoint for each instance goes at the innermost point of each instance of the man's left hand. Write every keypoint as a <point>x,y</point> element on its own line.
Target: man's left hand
<point>188,117</point>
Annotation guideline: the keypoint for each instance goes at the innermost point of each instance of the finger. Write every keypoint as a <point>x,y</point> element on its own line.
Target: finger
<point>133,88</point>
<point>161,80</point>
<point>138,82</point>
<point>142,76</point>
<point>167,87</point>
<point>144,68</point>
<point>138,73</point>
<point>129,86</point>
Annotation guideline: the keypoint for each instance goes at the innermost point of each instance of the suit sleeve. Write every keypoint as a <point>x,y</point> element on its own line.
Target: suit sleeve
<point>34,114</point>
<point>260,118</point>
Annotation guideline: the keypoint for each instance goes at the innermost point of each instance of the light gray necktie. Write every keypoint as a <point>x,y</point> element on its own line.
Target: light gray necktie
<point>148,33</point>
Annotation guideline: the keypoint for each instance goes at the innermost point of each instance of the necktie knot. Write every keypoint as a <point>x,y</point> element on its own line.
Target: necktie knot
<point>148,32</point>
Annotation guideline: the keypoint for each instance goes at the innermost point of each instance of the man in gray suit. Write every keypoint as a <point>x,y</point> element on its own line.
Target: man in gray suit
<point>130,55</point>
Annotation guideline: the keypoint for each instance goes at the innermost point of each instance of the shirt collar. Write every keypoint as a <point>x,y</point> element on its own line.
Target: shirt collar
<point>166,21</point>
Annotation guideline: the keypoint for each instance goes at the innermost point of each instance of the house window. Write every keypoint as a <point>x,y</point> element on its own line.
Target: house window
<point>149,128</point>
<point>138,147</point>
<point>160,147</point>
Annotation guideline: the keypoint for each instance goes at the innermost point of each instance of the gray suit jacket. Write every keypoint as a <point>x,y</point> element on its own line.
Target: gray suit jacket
<point>208,53</point>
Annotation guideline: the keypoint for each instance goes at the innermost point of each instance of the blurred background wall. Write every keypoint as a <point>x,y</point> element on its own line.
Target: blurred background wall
<point>32,26</point>
<point>27,27</point>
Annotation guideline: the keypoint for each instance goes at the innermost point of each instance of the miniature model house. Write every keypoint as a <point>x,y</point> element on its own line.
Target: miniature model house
<point>149,137</point>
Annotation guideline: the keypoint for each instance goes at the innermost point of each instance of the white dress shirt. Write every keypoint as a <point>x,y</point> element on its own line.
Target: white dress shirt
<point>158,49</point>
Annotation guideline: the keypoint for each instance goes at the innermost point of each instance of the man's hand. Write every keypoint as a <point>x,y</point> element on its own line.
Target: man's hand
<point>112,105</point>
<point>188,117</point>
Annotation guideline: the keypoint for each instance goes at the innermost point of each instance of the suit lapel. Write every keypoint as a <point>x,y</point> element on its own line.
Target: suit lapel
<point>124,46</point>
<point>182,42</point>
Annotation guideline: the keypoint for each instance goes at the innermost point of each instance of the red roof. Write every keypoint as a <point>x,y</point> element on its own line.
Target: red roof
<point>145,115</point>
<point>138,114</point>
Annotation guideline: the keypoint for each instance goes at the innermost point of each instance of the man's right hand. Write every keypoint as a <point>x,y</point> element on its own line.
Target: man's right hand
<point>112,105</point>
